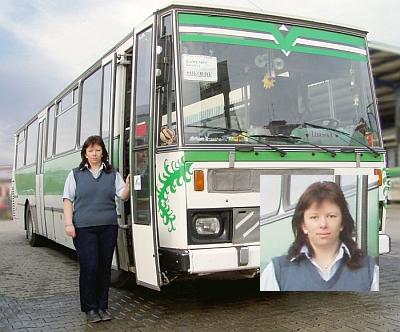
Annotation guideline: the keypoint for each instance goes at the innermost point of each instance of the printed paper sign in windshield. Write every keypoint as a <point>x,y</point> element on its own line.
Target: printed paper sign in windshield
<point>199,68</point>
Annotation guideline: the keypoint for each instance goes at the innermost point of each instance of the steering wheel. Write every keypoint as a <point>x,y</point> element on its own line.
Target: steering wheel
<point>326,122</point>
<point>212,133</point>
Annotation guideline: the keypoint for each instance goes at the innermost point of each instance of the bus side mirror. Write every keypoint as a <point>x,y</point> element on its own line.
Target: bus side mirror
<point>163,51</point>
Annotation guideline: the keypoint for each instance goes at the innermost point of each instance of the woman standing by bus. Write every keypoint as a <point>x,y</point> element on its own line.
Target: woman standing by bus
<point>91,220</point>
<point>323,256</point>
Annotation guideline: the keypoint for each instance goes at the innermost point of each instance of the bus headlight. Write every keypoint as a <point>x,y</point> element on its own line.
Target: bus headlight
<point>207,225</point>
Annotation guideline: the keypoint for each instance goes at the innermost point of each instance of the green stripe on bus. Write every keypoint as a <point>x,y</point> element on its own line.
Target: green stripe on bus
<point>56,171</point>
<point>206,156</point>
<point>327,36</point>
<point>294,156</point>
<point>393,172</point>
<point>330,52</point>
<point>269,44</point>
<point>259,26</point>
<point>25,181</point>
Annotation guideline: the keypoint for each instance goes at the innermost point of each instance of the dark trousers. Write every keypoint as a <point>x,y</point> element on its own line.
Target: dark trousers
<point>95,247</point>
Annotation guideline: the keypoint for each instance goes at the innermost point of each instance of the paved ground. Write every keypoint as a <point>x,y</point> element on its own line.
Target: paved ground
<point>38,292</point>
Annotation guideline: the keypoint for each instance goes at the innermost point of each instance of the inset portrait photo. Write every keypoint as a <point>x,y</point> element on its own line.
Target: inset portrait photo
<point>319,232</point>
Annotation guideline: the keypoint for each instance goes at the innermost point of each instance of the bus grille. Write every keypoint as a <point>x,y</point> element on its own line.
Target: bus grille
<point>246,225</point>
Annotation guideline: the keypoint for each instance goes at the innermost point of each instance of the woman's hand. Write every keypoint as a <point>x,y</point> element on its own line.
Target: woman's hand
<point>69,226</point>
<point>126,192</point>
<point>128,182</point>
<point>70,230</point>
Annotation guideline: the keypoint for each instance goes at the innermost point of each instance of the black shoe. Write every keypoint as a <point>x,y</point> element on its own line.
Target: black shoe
<point>92,316</point>
<point>104,314</point>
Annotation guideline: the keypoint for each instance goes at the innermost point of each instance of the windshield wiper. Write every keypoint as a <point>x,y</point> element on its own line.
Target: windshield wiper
<point>376,154</point>
<point>236,131</point>
<point>298,139</point>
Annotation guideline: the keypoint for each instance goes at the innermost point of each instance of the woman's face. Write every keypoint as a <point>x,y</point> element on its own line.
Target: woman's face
<point>323,224</point>
<point>94,153</point>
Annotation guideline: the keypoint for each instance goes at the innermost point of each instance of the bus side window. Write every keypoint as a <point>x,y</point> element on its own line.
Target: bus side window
<point>32,143</point>
<point>66,123</point>
<point>105,114</point>
<point>91,104</point>
<point>50,131</point>
<point>167,107</point>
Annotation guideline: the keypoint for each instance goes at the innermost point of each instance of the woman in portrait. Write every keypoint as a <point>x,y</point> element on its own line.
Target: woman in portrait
<point>324,255</point>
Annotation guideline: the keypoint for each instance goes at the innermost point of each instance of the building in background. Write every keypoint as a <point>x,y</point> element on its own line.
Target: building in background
<point>5,188</point>
<point>385,62</point>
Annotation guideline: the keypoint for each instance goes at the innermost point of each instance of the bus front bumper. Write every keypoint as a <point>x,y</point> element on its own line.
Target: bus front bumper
<point>210,260</point>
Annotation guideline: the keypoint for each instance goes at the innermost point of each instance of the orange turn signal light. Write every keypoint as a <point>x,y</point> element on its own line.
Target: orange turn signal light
<point>378,172</point>
<point>198,180</point>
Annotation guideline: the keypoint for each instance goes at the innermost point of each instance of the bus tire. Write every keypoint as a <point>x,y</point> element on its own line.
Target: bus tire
<point>33,238</point>
<point>120,278</point>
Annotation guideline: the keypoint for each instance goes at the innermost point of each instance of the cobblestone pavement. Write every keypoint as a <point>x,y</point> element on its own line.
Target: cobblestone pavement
<point>39,292</point>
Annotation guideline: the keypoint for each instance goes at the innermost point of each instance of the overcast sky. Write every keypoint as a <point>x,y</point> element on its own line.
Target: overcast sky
<point>45,44</point>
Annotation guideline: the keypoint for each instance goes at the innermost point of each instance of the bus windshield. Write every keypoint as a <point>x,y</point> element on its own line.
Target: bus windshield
<point>244,79</point>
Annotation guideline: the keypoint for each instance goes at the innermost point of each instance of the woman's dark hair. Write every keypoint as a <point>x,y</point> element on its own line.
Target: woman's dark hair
<point>92,140</point>
<point>319,192</point>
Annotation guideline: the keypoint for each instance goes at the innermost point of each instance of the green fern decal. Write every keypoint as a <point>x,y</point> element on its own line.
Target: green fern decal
<point>175,175</point>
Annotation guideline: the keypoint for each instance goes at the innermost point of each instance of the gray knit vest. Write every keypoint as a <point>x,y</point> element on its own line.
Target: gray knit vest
<point>302,275</point>
<point>94,203</point>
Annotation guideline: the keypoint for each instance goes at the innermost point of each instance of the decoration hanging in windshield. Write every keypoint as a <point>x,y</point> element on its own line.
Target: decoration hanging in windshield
<point>268,82</point>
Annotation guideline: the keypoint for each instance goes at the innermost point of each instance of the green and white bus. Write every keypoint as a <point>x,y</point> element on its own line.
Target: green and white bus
<point>196,104</point>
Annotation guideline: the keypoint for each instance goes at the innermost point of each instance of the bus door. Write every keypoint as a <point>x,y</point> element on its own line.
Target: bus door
<point>39,178</point>
<point>122,104</point>
<point>144,230</point>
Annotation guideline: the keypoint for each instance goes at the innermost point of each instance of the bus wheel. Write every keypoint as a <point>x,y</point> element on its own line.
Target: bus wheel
<point>120,278</point>
<point>32,237</point>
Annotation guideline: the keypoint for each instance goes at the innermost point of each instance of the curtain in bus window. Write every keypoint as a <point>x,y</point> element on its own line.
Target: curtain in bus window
<point>91,103</point>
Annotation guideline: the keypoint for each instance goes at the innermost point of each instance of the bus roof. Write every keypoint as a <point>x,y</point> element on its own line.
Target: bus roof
<point>257,10</point>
